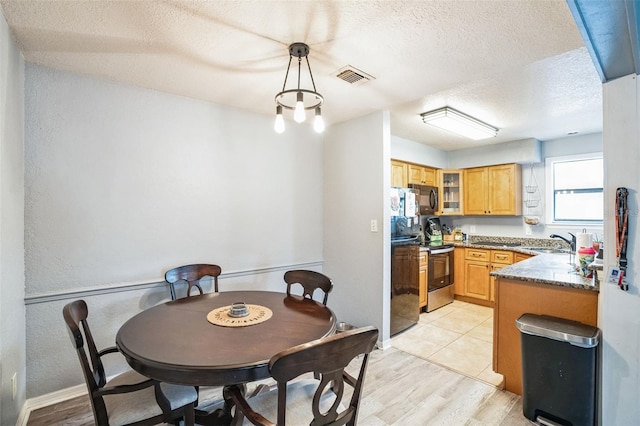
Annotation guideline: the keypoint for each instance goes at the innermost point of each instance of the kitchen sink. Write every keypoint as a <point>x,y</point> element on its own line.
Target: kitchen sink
<point>546,249</point>
<point>496,244</point>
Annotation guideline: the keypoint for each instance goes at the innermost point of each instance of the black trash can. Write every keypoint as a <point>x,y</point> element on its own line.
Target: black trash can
<point>559,370</point>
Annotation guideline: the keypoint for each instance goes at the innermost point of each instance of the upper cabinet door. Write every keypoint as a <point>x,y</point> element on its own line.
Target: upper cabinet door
<point>422,175</point>
<point>429,176</point>
<point>415,174</point>
<point>494,190</point>
<point>450,187</point>
<point>476,188</point>
<point>398,174</point>
<point>505,189</point>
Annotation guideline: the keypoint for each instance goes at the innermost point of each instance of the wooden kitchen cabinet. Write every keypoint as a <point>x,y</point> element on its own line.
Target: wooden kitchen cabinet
<point>499,259</point>
<point>493,190</point>
<point>423,277</point>
<point>421,175</point>
<point>399,174</point>
<point>514,298</point>
<point>478,264</point>
<point>476,273</point>
<point>518,257</point>
<point>477,284</point>
<point>458,271</point>
<point>450,192</point>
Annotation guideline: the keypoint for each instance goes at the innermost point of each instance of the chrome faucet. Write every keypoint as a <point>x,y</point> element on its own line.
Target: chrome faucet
<point>571,243</point>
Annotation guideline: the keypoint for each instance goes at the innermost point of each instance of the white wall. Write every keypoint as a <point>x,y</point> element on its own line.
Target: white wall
<point>522,151</point>
<point>618,315</point>
<point>419,153</point>
<point>570,145</point>
<point>356,191</point>
<point>124,183</point>
<point>12,312</point>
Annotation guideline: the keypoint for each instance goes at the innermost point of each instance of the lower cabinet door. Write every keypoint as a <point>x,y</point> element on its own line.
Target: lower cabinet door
<point>423,286</point>
<point>476,277</point>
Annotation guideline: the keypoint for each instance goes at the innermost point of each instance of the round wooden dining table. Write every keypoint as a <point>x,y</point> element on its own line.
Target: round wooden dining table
<point>174,342</point>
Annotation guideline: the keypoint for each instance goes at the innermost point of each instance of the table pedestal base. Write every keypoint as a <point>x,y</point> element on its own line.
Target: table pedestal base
<point>220,416</point>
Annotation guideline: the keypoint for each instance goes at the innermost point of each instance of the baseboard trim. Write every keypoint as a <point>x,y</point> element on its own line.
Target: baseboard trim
<point>384,344</point>
<point>45,400</point>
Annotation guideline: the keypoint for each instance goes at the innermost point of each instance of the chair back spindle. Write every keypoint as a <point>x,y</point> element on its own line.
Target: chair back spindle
<point>310,281</point>
<point>192,274</point>
<point>328,358</point>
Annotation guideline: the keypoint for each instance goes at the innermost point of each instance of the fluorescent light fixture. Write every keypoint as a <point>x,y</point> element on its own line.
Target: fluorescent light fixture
<point>455,121</point>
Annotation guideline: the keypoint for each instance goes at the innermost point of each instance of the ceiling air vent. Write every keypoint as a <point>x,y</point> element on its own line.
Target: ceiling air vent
<point>353,75</point>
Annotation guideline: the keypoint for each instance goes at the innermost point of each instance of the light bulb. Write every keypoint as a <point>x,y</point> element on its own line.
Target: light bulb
<point>279,124</point>
<point>318,123</point>
<point>299,114</point>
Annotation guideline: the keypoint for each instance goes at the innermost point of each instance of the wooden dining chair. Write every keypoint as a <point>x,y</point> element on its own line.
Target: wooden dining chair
<point>192,274</point>
<point>129,398</point>
<point>310,281</point>
<point>307,401</point>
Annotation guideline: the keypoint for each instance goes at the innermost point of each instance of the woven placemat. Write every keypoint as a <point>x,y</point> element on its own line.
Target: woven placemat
<point>221,317</point>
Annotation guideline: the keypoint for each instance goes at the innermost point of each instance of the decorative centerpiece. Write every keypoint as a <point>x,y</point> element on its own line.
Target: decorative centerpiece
<point>238,310</point>
<point>239,314</point>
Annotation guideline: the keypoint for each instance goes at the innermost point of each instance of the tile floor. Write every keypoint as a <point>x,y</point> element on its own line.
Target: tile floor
<point>458,336</point>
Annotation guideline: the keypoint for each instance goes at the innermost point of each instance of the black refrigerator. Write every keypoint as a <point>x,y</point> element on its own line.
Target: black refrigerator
<point>405,297</point>
<point>405,260</point>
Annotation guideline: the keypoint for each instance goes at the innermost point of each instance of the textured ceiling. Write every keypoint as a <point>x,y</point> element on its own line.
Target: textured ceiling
<point>520,65</point>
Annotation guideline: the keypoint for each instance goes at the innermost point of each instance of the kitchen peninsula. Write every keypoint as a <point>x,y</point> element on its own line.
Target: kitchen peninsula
<point>545,284</point>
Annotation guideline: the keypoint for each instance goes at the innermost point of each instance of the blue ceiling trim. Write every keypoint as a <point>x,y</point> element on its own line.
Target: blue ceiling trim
<point>634,24</point>
<point>609,29</point>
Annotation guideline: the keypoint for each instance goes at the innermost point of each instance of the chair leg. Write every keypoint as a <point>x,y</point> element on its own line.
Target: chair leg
<point>189,415</point>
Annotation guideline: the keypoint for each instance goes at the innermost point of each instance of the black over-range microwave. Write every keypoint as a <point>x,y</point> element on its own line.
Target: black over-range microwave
<point>426,198</point>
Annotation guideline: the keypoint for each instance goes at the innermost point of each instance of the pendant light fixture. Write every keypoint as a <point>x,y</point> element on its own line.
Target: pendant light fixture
<point>298,99</point>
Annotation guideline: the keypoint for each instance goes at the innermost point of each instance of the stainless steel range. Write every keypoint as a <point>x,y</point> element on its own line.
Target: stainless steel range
<point>440,275</point>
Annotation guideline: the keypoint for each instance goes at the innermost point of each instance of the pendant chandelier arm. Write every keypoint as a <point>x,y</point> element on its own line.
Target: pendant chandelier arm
<point>299,61</point>
<point>286,76</point>
<point>313,83</point>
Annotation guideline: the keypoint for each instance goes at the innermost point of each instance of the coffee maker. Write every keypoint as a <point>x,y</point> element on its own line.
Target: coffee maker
<point>433,232</point>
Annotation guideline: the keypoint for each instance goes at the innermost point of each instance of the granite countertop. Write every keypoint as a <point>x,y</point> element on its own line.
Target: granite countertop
<point>543,268</point>
<point>553,269</point>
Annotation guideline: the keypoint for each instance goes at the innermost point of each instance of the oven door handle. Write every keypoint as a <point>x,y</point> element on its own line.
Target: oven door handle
<point>441,251</point>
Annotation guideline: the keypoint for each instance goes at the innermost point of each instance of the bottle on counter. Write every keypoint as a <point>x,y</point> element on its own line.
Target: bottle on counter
<point>585,257</point>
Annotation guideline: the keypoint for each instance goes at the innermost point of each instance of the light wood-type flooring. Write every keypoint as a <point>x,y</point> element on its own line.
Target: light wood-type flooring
<point>421,380</point>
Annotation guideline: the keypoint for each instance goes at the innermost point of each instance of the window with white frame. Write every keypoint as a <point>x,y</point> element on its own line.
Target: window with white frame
<point>574,187</point>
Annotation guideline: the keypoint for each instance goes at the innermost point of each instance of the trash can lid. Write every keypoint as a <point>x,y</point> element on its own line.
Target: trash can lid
<point>563,330</point>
